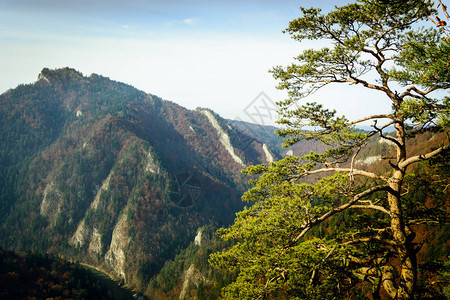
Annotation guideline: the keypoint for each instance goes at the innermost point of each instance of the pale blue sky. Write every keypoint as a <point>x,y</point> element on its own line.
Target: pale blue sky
<point>212,54</point>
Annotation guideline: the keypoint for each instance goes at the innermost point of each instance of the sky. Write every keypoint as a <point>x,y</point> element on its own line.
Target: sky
<point>197,53</point>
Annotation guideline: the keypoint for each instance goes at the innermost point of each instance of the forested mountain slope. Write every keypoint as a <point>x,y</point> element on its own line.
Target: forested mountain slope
<point>98,171</point>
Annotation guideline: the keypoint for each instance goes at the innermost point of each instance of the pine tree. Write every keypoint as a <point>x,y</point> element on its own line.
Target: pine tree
<point>319,226</point>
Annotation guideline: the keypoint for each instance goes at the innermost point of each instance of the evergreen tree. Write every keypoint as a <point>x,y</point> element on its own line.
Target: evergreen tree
<point>320,227</point>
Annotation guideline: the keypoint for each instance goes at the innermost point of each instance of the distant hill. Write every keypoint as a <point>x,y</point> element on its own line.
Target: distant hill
<point>267,135</point>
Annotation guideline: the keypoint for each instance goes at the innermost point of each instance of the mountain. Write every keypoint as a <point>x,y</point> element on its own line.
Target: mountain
<point>97,171</point>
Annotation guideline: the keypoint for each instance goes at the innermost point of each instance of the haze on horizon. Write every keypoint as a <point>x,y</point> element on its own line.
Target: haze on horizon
<point>200,53</point>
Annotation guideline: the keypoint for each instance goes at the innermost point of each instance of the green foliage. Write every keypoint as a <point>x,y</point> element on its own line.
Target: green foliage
<point>444,277</point>
<point>323,226</point>
<point>428,182</point>
<point>322,124</point>
<point>267,259</point>
<point>170,280</point>
<point>354,30</point>
<point>423,59</point>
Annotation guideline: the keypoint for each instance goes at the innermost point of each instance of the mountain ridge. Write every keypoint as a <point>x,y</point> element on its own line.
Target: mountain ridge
<point>111,176</point>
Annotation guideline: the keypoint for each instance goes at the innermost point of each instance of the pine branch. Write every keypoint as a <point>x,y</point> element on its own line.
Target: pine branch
<point>376,117</point>
<point>338,209</point>
<point>346,170</point>
<point>371,239</point>
<point>375,207</point>
<point>421,93</point>
<point>404,164</point>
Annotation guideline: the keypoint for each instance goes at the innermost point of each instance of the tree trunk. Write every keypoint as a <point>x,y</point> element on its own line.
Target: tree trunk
<point>405,251</point>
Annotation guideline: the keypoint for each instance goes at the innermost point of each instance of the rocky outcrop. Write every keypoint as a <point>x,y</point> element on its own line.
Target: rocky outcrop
<point>51,204</point>
<point>269,157</point>
<point>43,77</point>
<point>191,277</point>
<point>223,136</point>
<point>151,166</point>
<point>115,257</point>
<point>369,160</point>
<point>95,245</point>
<point>104,187</point>
<point>198,238</point>
<point>386,141</point>
<point>79,237</point>
<point>289,153</point>
<point>82,233</point>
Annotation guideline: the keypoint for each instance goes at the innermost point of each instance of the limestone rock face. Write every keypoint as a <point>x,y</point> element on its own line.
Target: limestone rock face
<point>95,245</point>
<point>115,257</point>
<point>43,77</point>
<point>192,277</point>
<point>198,238</point>
<point>223,136</point>
<point>151,165</point>
<point>79,237</point>
<point>269,157</point>
<point>52,201</point>
<point>104,187</point>
<point>369,160</point>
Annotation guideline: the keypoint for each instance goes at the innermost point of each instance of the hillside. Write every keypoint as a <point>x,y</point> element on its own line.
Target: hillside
<point>109,175</point>
<point>37,276</point>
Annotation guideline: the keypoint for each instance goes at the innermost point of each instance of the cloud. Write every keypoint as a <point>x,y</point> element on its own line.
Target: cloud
<point>191,21</point>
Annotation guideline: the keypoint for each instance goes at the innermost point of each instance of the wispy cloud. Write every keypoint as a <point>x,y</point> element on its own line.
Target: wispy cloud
<point>192,21</point>
<point>162,47</point>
